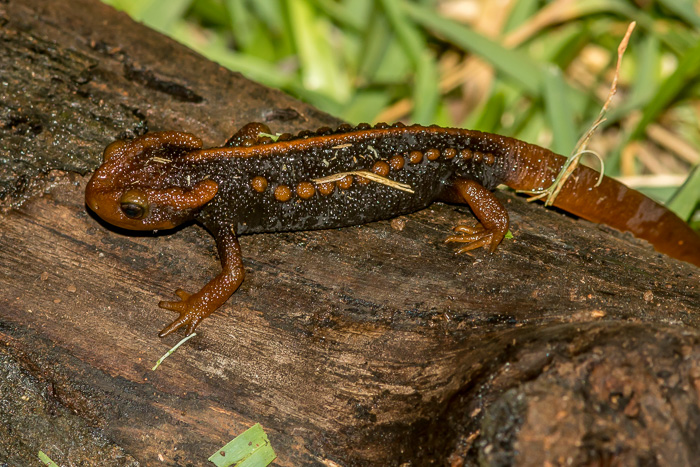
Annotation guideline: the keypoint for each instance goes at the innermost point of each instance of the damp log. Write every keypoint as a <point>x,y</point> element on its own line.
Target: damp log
<point>366,345</point>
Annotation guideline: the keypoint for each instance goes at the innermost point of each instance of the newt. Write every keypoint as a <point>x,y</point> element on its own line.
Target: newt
<point>347,176</point>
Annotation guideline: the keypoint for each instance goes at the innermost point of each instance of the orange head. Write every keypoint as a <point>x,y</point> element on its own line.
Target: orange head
<point>136,187</point>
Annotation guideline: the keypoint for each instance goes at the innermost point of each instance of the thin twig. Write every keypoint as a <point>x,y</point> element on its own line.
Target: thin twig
<point>580,149</point>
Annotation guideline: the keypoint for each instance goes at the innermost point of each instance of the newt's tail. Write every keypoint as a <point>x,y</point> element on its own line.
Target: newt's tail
<point>610,203</point>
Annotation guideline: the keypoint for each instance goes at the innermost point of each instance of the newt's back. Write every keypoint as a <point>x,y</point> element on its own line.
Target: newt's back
<point>333,180</point>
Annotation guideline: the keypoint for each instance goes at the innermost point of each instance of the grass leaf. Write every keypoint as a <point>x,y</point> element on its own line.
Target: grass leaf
<point>249,449</point>
<point>559,112</point>
<point>687,198</point>
<point>687,71</point>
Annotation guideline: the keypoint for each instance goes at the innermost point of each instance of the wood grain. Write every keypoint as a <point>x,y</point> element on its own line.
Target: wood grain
<point>366,345</point>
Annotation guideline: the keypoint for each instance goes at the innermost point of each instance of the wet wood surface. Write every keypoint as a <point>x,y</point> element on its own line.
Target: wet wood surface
<point>372,344</point>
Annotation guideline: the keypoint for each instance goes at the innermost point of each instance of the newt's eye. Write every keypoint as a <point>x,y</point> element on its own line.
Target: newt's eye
<point>133,211</point>
<point>133,204</point>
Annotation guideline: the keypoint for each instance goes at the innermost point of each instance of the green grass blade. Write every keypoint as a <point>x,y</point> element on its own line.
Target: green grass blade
<point>252,67</point>
<point>409,36</point>
<point>488,117</point>
<point>521,12</point>
<point>686,72</point>
<point>365,105</point>
<point>376,40</point>
<point>249,449</point>
<point>684,9</point>
<point>647,57</point>
<point>559,112</point>
<point>241,22</point>
<point>687,198</point>
<point>511,63</point>
<point>46,460</point>
<point>354,14</point>
<point>425,93</point>
<point>383,59</point>
<point>319,65</point>
<point>210,12</point>
<point>270,12</point>
<point>162,14</point>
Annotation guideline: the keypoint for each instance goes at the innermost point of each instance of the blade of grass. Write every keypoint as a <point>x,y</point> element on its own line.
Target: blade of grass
<point>566,44</point>
<point>319,68</point>
<point>521,12</point>
<point>687,71</point>
<point>646,79</point>
<point>172,350</point>
<point>252,67</point>
<point>513,64</point>
<point>241,22</point>
<point>687,198</point>
<point>559,112</point>
<point>249,449</point>
<point>489,117</point>
<point>563,11</point>
<point>425,92</point>
<point>161,15</point>
<point>46,460</point>
<point>365,105</point>
<point>377,39</point>
<point>211,12</point>
<point>354,14</point>
<point>271,13</point>
<point>684,9</point>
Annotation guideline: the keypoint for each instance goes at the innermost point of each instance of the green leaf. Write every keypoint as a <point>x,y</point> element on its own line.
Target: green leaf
<point>271,13</point>
<point>425,91</point>
<point>161,15</point>
<point>513,64</point>
<point>559,112</point>
<point>426,94</point>
<point>489,117</point>
<point>687,71</point>
<point>687,198</point>
<point>647,57</point>
<point>46,460</point>
<point>364,106</point>
<point>320,71</point>
<point>684,9</point>
<point>355,14</point>
<point>249,449</point>
<point>241,22</point>
<point>522,11</point>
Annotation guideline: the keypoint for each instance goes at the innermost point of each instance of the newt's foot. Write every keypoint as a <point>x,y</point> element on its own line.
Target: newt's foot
<point>191,313</point>
<point>475,236</point>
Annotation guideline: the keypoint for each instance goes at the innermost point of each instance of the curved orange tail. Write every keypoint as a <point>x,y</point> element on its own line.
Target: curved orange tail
<point>610,203</point>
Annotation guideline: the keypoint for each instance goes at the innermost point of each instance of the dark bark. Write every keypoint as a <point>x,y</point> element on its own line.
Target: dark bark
<point>370,344</point>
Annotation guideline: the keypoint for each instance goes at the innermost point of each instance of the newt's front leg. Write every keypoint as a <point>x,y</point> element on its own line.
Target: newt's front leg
<point>193,308</point>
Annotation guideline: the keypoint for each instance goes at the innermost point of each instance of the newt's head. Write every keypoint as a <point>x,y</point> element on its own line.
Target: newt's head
<point>135,187</point>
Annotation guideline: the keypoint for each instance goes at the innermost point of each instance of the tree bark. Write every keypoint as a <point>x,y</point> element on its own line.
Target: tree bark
<point>365,345</point>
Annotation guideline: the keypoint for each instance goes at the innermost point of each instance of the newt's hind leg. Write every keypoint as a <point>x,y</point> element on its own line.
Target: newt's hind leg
<point>491,214</point>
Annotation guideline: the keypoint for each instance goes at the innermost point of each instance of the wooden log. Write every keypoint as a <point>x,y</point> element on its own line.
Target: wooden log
<point>366,345</point>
